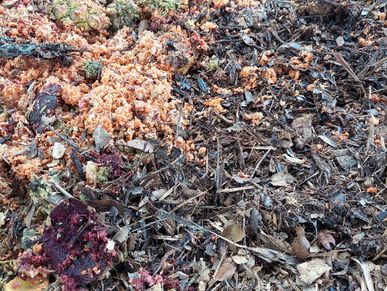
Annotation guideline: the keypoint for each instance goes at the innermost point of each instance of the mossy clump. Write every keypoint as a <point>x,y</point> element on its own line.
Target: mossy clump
<point>163,5</point>
<point>122,12</point>
<point>92,70</point>
<point>127,12</point>
<point>103,174</point>
<point>87,15</point>
<point>94,15</point>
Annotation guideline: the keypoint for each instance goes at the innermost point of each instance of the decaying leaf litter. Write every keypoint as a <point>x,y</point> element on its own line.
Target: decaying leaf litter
<point>195,145</point>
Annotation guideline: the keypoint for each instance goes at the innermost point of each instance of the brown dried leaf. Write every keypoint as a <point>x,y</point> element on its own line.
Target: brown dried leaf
<point>233,232</point>
<point>202,270</point>
<point>226,271</point>
<point>300,244</point>
<point>169,225</point>
<point>105,205</point>
<point>273,243</point>
<point>282,179</point>
<point>44,105</point>
<point>312,270</point>
<point>303,125</point>
<point>326,239</point>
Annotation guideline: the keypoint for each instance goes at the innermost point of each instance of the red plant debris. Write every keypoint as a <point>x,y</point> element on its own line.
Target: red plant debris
<point>33,266</point>
<point>112,160</point>
<point>145,280</point>
<point>76,244</point>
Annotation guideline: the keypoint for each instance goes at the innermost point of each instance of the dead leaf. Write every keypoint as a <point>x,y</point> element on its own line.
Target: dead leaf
<point>141,145</point>
<point>300,244</point>
<point>239,260</point>
<point>2,218</point>
<point>226,270</point>
<point>327,140</point>
<point>169,225</point>
<point>202,270</point>
<point>101,137</point>
<point>347,162</point>
<point>250,98</point>
<point>326,239</point>
<point>373,120</point>
<point>293,160</point>
<point>105,205</point>
<point>282,143</point>
<point>303,125</point>
<point>248,40</point>
<point>282,179</point>
<point>255,220</point>
<point>122,234</point>
<point>18,284</point>
<point>273,243</point>
<point>157,194</point>
<point>312,270</point>
<point>233,232</point>
<point>215,103</point>
<point>366,273</point>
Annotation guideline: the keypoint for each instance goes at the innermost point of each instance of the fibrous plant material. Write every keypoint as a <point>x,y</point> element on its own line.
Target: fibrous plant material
<point>10,49</point>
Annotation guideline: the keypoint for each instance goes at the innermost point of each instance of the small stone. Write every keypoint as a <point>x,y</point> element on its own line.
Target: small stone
<point>340,41</point>
<point>58,150</point>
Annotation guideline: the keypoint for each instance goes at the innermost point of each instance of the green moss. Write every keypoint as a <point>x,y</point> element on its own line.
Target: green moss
<point>89,15</point>
<point>92,15</point>
<point>40,190</point>
<point>213,63</point>
<point>92,69</point>
<point>123,12</point>
<point>103,174</point>
<point>163,5</point>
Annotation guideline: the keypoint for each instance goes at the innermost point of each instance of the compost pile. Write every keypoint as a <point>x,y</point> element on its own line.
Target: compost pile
<point>193,145</point>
